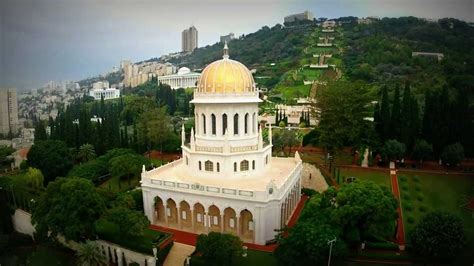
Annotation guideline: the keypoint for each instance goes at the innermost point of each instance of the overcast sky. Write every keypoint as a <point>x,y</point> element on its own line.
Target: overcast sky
<point>43,40</point>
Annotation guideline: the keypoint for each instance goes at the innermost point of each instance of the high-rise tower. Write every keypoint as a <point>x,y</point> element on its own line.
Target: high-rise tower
<point>189,39</point>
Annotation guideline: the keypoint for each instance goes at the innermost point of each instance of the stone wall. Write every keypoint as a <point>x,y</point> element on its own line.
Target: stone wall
<point>22,222</point>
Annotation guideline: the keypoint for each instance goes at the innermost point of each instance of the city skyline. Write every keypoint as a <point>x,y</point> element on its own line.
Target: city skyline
<point>46,40</point>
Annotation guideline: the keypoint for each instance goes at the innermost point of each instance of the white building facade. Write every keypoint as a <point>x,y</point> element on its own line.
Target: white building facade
<point>183,79</point>
<point>227,180</point>
<point>109,93</point>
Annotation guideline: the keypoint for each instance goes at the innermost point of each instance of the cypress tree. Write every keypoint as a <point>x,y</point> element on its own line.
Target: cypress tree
<point>385,116</point>
<point>406,117</point>
<point>395,118</point>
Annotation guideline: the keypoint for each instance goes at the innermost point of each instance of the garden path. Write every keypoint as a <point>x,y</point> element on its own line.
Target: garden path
<point>400,237</point>
<point>178,254</point>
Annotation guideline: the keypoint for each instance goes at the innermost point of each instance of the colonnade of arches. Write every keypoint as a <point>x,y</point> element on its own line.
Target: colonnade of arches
<point>198,219</point>
<point>289,204</point>
<point>218,124</point>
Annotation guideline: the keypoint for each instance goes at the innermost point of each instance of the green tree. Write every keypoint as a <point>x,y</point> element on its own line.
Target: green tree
<point>88,254</point>
<point>40,131</point>
<point>453,154</point>
<point>86,153</point>
<point>384,128</point>
<point>395,114</point>
<point>34,178</point>
<point>70,207</point>
<point>393,150</point>
<point>343,106</point>
<point>438,236</point>
<point>219,249</point>
<point>364,209</point>
<point>153,127</point>
<point>422,150</point>
<point>51,157</point>
<point>129,222</point>
<point>127,166</point>
<point>307,244</point>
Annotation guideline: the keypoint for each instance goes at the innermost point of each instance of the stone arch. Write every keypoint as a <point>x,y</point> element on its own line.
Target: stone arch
<point>214,218</point>
<point>171,212</point>
<point>230,221</point>
<point>159,216</point>
<point>185,215</point>
<point>247,226</point>
<point>199,216</point>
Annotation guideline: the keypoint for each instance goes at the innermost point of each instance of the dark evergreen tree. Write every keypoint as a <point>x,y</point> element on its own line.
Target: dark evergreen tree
<point>384,116</point>
<point>40,131</point>
<point>395,118</point>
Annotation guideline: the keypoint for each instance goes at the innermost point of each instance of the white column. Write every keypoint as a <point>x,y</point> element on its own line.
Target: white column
<point>166,214</point>
<point>192,220</point>
<point>221,223</point>
<point>179,216</point>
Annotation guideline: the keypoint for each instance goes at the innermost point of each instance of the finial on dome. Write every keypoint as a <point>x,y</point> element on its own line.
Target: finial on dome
<point>226,50</point>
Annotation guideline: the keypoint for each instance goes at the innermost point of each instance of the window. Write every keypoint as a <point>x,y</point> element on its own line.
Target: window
<point>199,217</point>
<point>215,220</point>
<point>224,123</point>
<point>168,211</point>
<point>246,123</point>
<point>232,222</point>
<point>254,122</point>
<point>203,124</point>
<point>251,225</point>
<point>244,165</point>
<point>253,165</point>
<point>213,122</point>
<point>218,167</point>
<point>235,167</point>
<point>200,168</point>
<point>183,215</point>
<point>208,166</point>
<point>236,124</point>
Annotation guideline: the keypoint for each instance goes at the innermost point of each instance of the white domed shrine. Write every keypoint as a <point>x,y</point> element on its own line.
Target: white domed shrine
<point>227,180</point>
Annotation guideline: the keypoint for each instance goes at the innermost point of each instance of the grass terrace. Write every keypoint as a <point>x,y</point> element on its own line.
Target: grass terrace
<point>381,177</point>
<point>254,258</point>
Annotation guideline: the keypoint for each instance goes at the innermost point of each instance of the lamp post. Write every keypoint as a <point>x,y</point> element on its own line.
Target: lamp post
<point>330,242</point>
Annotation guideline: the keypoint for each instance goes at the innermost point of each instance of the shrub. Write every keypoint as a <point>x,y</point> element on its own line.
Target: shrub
<point>417,187</point>
<point>407,206</point>
<point>403,179</point>
<point>422,209</point>
<point>410,219</point>
<point>416,179</point>
<point>420,198</point>
<point>308,191</point>
<point>406,196</point>
<point>404,187</point>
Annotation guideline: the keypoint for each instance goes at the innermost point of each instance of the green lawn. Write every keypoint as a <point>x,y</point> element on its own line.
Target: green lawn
<point>310,74</point>
<point>254,258</point>
<point>421,193</point>
<point>379,177</point>
<point>291,92</point>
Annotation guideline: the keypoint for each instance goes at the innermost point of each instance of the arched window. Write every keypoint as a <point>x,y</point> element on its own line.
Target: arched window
<point>203,124</point>
<point>224,123</point>
<point>253,165</point>
<point>218,167</point>
<point>236,124</point>
<point>213,122</point>
<point>246,123</point>
<point>208,166</point>
<point>254,122</point>
<point>200,167</point>
<point>244,165</point>
<point>235,167</point>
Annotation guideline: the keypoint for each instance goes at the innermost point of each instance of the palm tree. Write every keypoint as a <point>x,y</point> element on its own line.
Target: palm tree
<point>89,254</point>
<point>86,153</point>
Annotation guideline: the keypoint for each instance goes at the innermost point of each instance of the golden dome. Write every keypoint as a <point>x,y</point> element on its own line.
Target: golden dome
<point>226,76</point>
